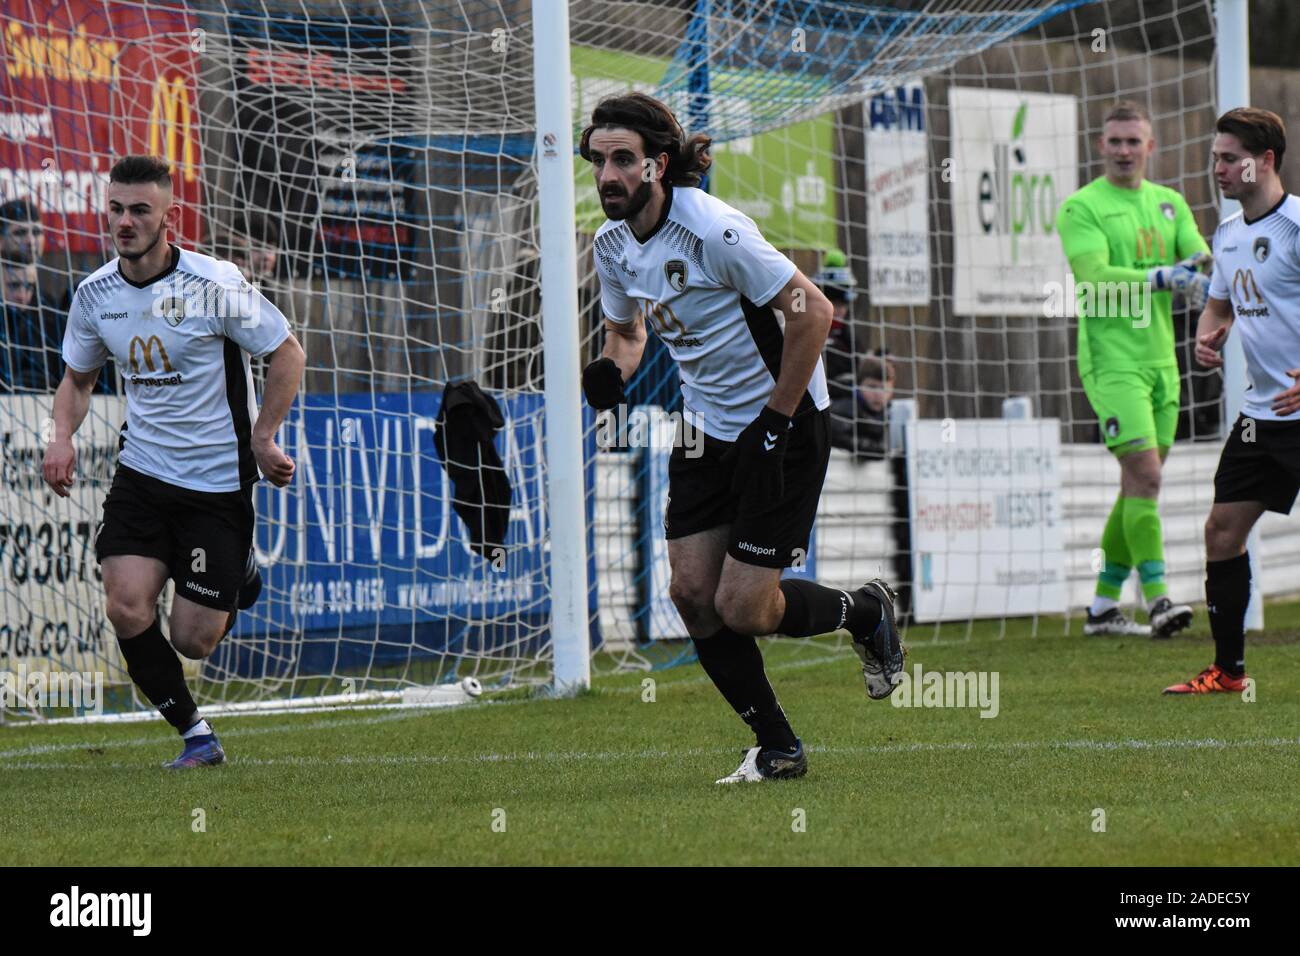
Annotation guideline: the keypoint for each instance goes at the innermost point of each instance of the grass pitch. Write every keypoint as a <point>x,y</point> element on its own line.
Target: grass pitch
<point>609,778</point>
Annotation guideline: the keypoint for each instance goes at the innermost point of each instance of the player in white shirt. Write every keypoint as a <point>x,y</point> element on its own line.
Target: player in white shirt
<point>741,509</point>
<point>180,327</point>
<point>1255,293</point>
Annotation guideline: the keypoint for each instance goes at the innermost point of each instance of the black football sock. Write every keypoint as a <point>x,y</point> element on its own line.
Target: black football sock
<point>735,665</point>
<point>156,670</point>
<point>1227,592</point>
<point>812,608</point>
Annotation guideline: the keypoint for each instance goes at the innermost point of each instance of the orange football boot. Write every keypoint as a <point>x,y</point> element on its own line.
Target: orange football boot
<point>1214,679</point>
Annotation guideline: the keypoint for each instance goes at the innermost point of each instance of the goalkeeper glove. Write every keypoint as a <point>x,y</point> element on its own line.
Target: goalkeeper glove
<point>758,456</point>
<point>1185,278</point>
<point>602,383</point>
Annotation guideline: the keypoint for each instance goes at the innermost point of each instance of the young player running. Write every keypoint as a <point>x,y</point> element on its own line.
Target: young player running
<point>180,326</point>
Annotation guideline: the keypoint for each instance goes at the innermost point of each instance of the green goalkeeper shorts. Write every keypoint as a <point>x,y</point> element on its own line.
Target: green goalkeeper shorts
<point>1137,408</point>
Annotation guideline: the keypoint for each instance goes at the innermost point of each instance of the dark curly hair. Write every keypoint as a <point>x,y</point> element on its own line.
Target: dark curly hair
<point>688,157</point>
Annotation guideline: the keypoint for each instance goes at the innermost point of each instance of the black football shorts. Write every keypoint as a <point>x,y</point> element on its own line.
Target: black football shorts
<point>202,536</point>
<point>768,534</point>
<point>1260,462</point>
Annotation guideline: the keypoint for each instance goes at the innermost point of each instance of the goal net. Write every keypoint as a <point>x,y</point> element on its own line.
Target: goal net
<point>371,167</point>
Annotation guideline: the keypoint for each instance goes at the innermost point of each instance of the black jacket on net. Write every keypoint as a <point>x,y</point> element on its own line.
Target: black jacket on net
<point>466,425</point>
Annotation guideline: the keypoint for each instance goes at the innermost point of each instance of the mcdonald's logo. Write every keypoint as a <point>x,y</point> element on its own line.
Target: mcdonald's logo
<point>1147,242</point>
<point>170,124</point>
<point>664,319</point>
<point>146,346</point>
<point>1244,286</point>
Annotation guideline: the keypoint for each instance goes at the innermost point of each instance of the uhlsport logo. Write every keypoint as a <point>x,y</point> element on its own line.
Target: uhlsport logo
<point>81,691</point>
<point>210,592</point>
<point>75,909</point>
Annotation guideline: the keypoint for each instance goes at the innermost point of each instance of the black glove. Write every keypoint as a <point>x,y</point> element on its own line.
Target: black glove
<point>602,383</point>
<point>758,454</point>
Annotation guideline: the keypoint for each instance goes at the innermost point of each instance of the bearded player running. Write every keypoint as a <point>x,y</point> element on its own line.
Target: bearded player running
<point>742,510</point>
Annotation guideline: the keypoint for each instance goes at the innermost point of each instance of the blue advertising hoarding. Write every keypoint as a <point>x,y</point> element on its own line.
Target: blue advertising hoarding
<point>369,565</point>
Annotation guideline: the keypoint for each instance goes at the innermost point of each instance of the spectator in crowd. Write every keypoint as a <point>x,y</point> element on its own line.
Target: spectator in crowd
<point>19,281</point>
<point>22,235</point>
<point>836,281</point>
<point>29,343</point>
<point>252,244</point>
<point>34,318</point>
<point>22,239</point>
<point>859,420</point>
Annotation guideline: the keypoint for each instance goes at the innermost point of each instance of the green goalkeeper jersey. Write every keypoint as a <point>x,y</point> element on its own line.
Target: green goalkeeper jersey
<point>1112,238</point>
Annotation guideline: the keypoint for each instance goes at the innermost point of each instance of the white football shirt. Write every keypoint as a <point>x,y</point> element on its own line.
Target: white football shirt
<point>703,280</point>
<point>182,343</point>
<point>1257,267</point>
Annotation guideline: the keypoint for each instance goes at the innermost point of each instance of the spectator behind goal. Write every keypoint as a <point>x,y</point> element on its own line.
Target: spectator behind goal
<point>859,420</point>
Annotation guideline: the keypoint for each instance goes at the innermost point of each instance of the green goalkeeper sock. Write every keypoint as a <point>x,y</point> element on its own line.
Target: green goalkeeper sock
<point>1116,563</point>
<point>1146,545</point>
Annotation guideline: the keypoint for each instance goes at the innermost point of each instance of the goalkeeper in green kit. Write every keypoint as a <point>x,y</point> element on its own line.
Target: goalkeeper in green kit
<point>1131,244</point>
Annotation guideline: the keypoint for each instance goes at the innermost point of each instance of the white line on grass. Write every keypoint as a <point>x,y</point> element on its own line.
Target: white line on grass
<point>36,749</point>
<point>579,756</point>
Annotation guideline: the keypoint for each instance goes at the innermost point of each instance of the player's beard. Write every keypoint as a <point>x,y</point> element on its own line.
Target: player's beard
<point>630,206</point>
<point>134,256</point>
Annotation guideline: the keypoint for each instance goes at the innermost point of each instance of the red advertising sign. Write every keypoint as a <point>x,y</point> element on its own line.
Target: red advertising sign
<point>83,82</point>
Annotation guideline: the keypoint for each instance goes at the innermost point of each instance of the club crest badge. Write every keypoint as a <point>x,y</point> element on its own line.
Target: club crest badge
<point>171,309</point>
<point>1260,248</point>
<point>675,271</point>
